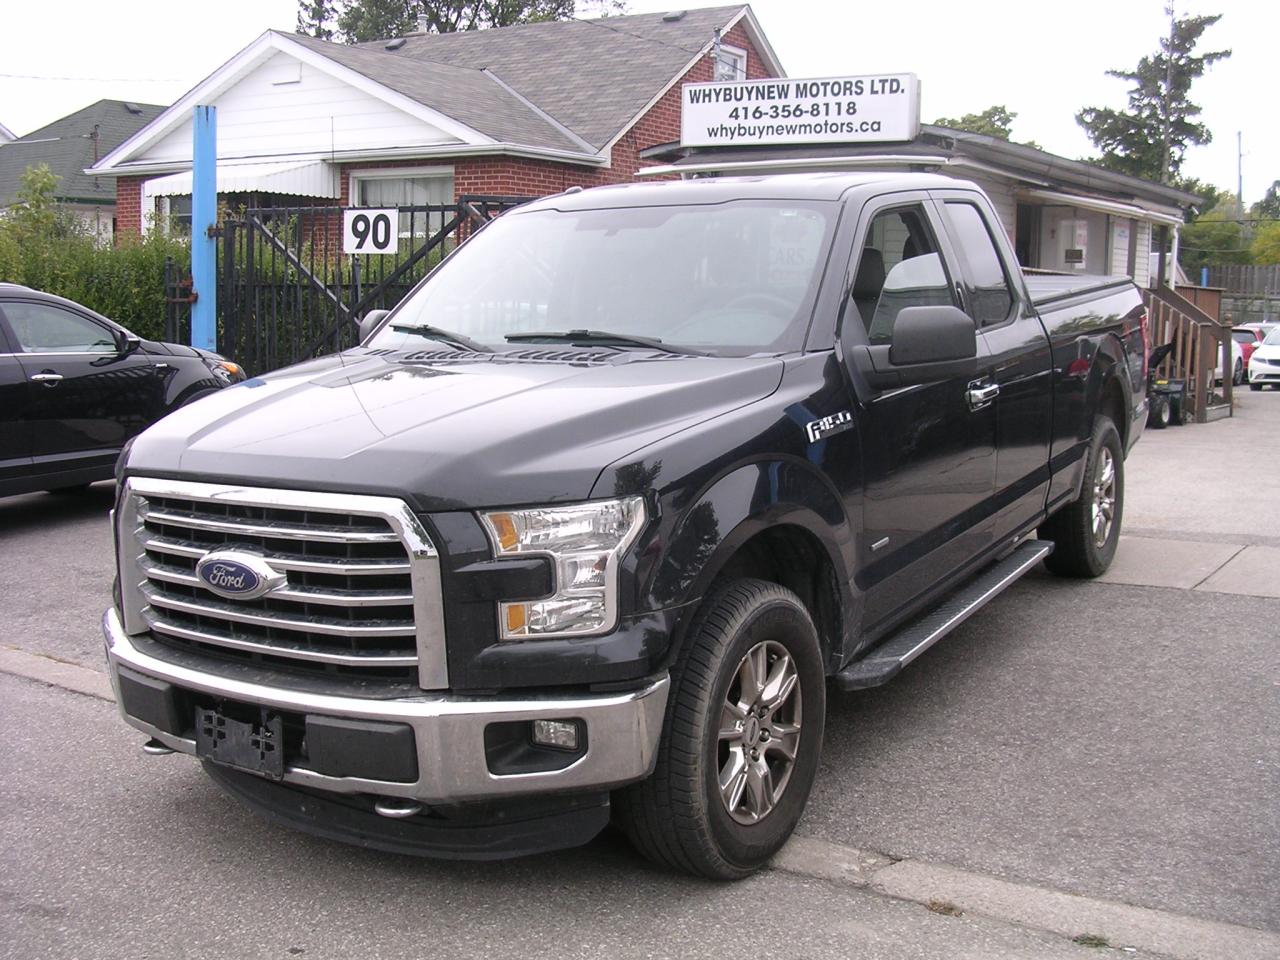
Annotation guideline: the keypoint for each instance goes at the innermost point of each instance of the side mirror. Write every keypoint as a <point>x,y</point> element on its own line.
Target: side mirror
<point>927,343</point>
<point>369,322</point>
<point>126,343</point>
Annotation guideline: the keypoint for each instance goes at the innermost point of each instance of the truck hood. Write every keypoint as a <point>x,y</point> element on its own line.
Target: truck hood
<point>448,430</point>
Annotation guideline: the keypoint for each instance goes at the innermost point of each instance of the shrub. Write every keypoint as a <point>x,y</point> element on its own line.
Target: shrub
<point>44,247</point>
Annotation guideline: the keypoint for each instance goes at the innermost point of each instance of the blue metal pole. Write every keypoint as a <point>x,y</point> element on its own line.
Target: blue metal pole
<point>1204,276</point>
<point>204,217</point>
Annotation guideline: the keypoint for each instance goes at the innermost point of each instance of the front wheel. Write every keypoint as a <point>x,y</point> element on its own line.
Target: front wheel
<point>741,739</point>
<point>1255,386</point>
<point>1085,534</point>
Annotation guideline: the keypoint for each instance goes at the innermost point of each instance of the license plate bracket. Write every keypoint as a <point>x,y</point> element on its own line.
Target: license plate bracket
<point>253,747</point>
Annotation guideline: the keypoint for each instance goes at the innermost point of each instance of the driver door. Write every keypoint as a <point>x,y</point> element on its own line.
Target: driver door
<point>929,450</point>
<point>85,397</point>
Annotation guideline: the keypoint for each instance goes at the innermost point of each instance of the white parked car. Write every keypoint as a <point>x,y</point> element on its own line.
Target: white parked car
<point>1237,364</point>
<point>1264,365</point>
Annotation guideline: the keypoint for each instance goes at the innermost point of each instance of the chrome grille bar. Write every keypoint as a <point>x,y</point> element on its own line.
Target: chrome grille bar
<point>277,648</point>
<point>334,598</point>
<point>278,531</point>
<point>281,561</point>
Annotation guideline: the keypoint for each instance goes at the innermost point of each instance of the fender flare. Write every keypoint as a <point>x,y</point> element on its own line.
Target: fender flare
<point>737,506</point>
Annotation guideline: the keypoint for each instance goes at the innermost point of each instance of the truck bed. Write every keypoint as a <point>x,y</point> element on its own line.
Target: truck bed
<point>1048,289</point>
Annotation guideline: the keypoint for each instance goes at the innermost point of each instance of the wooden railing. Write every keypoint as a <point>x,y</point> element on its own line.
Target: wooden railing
<point>1198,339</point>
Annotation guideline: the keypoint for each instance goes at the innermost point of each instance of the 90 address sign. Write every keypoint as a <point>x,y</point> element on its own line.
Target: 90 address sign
<point>370,231</point>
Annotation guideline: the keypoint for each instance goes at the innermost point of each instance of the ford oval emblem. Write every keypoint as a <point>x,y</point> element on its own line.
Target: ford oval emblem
<point>237,574</point>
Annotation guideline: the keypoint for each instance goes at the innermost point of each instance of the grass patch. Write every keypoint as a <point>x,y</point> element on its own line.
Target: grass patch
<point>944,907</point>
<point>1091,940</point>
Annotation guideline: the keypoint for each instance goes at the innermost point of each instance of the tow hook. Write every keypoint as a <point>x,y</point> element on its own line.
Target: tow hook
<point>154,748</point>
<point>396,808</point>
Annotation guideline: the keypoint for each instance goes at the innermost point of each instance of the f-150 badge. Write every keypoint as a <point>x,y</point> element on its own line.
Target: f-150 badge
<point>829,426</point>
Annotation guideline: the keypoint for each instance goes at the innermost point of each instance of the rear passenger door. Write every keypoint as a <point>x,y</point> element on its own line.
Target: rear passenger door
<point>928,449</point>
<point>85,395</point>
<point>1021,362</point>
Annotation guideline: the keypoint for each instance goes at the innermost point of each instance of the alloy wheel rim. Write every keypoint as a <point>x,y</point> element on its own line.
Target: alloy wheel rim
<point>759,736</point>
<point>1104,498</point>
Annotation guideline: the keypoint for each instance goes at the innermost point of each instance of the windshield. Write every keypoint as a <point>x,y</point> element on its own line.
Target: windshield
<point>1273,337</point>
<point>730,279</point>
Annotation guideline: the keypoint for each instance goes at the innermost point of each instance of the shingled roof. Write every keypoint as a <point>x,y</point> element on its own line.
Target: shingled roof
<point>67,146</point>
<point>592,76</point>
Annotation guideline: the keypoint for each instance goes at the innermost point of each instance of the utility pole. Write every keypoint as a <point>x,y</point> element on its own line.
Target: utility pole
<point>204,220</point>
<point>1166,133</point>
<point>1240,170</point>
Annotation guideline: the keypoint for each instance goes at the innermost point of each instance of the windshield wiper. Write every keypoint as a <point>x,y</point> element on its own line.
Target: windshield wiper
<point>603,337</point>
<point>445,336</point>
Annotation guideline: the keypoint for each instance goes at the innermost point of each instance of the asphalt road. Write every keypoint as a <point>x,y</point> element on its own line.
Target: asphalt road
<point>1113,740</point>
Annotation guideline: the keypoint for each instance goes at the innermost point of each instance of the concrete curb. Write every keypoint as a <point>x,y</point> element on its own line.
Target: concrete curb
<point>57,673</point>
<point>1067,914</point>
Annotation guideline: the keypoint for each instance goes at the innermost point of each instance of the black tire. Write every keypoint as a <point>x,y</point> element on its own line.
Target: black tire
<point>1160,414</point>
<point>1076,551</point>
<point>1237,374</point>
<point>678,817</point>
<point>1255,386</point>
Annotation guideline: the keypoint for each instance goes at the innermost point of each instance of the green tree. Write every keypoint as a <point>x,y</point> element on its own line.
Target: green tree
<point>1150,138</point>
<point>1266,243</point>
<point>316,18</point>
<point>362,20</point>
<point>995,121</point>
<point>1268,208</point>
<point>1216,236</point>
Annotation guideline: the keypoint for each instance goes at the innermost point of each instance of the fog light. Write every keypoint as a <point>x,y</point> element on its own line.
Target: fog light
<point>561,734</point>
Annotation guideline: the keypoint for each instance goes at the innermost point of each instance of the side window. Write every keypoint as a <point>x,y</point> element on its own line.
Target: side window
<point>899,267</point>
<point>988,285</point>
<point>44,328</point>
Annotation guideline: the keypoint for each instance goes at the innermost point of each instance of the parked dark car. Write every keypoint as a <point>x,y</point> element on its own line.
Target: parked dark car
<point>75,387</point>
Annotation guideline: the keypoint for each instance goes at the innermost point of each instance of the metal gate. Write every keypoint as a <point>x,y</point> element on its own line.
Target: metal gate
<point>287,292</point>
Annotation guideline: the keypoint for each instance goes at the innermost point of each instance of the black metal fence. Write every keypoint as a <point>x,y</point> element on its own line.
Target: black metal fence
<point>287,292</point>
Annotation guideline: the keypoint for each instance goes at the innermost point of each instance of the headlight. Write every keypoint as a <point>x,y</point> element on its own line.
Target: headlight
<point>225,370</point>
<point>585,542</point>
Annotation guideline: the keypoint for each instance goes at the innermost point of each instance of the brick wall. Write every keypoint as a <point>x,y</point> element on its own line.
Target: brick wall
<point>129,205</point>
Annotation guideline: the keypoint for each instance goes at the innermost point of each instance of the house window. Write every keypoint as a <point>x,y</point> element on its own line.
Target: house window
<point>731,64</point>
<point>412,189</point>
<point>175,215</point>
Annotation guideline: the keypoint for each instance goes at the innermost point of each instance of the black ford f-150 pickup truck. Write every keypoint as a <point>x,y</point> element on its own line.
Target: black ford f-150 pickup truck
<point>592,520</point>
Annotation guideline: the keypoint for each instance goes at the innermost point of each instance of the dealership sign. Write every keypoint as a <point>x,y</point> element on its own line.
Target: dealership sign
<point>881,108</point>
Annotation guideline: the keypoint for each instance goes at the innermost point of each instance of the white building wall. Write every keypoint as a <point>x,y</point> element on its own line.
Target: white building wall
<point>285,107</point>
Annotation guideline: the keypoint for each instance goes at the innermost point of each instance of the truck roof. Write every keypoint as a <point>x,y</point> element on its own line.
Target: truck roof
<point>779,186</point>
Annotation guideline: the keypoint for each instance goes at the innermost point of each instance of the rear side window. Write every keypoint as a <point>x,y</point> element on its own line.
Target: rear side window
<point>990,297</point>
<point>44,328</point>
<point>899,267</point>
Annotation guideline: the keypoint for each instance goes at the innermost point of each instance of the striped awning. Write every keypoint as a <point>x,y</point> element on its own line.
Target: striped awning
<point>301,178</point>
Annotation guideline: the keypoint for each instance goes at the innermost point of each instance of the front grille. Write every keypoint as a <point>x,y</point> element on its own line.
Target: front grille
<point>348,605</point>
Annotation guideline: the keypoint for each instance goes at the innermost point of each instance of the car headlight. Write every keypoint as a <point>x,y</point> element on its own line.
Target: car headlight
<point>585,543</point>
<point>225,370</point>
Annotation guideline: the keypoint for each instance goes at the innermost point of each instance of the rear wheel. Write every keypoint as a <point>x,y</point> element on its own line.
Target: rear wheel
<point>741,738</point>
<point>1237,375</point>
<point>1085,533</point>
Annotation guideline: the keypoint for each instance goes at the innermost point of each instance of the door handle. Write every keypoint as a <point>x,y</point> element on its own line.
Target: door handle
<point>48,379</point>
<point>982,395</point>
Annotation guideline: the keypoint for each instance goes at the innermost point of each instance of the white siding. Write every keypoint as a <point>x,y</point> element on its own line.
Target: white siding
<point>286,107</point>
<point>1122,229</point>
<point>1142,261</point>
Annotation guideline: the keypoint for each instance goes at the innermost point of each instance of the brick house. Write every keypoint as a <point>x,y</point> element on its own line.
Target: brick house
<point>525,110</point>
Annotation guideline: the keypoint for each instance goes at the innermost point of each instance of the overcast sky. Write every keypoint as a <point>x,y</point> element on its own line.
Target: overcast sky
<point>1042,60</point>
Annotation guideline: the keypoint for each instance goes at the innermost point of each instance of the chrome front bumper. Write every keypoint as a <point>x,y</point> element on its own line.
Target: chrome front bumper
<point>622,730</point>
